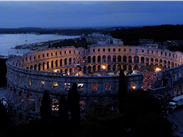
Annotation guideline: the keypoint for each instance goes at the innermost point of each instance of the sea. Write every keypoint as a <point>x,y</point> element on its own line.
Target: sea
<point>9,41</point>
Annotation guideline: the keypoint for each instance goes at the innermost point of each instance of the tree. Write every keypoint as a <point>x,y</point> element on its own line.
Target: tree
<point>73,101</point>
<point>122,90</point>
<point>63,111</point>
<point>46,105</point>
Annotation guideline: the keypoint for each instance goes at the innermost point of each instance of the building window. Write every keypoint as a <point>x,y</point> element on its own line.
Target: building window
<point>109,50</point>
<point>114,49</point>
<point>94,87</point>
<point>54,85</point>
<point>98,50</point>
<point>148,51</point>
<point>136,50</point>
<point>51,54</point>
<point>133,85</point>
<point>43,55</point>
<point>38,56</point>
<point>67,86</point>
<point>142,51</point>
<point>56,53</point>
<point>65,52</point>
<point>30,57</point>
<point>130,50</point>
<point>60,52</point>
<point>42,84</point>
<point>93,50</point>
<point>34,57</point>
<point>108,87</point>
<point>30,82</point>
<point>69,51</point>
<point>80,87</point>
<point>47,54</point>
<point>103,50</point>
<point>119,50</point>
<point>124,50</point>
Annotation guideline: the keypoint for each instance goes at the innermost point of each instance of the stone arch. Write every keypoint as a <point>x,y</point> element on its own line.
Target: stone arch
<point>114,58</point>
<point>43,65</point>
<point>39,66</point>
<point>94,68</point>
<point>99,59</point>
<point>99,68</point>
<point>31,67</point>
<point>119,58</point>
<point>56,63</point>
<point>114,68</point>
<point>84,69</point>
<point>156,61</point>
<point>65,61</point>
<point>94,59</point>
<point>70,61</point>
<point>119,67</point>
<point>135,67</point>
<point>142,60</point>
<point>89,59</point>
<point>124,67</point>
<point>35,67</point>
<point>60,62</point>
<point>124,59</point>
<point>147,61</point>
<point>89,69</point>
<point>70,71</point>
<point>109,58</point>
<point>104,58</point>
<point>109,67</point>
<point>130,59</point>
<point>136,59</point>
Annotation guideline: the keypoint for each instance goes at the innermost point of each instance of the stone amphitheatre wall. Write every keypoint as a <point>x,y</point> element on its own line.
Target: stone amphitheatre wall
<point>28,76</point>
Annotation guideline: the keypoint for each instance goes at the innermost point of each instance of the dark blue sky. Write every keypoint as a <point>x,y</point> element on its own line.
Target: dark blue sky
<point>89,13</point>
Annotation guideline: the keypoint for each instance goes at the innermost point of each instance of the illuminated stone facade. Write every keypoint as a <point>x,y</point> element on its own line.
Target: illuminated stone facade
<point>29,75</point>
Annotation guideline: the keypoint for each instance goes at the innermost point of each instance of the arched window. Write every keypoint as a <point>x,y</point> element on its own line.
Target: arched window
<point>99,68</point>
<point>119,58</point>
<point>65,61</point>
<point>89,69</point>
<point>136,59</point>
<point>104,59</point>
<point>130,59</point>
<point>94,59</point>
<point>89,59</point>
<point>114,58</point>
<point>39,66</point>
<point>94,68</point>
<point>70,61</point>
<point>124,58</point>
<point>60,62</point>
<point>35,67</point>
<point>109,58</point>
<point>109,67</point>
<point>31,67</point>
<point>142,60</point>
<point>114,68</point>
<point>43,65</point>
<point>98,59</point>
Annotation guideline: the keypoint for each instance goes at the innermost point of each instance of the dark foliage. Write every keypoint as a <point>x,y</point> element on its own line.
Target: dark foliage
<point>130,36</point>
<point>122,90</point>
<point>46,105</point>
<point>73,102</point>
<point>63,110</point>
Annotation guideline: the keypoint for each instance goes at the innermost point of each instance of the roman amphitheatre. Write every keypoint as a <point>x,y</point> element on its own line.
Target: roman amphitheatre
<point>95,70</point>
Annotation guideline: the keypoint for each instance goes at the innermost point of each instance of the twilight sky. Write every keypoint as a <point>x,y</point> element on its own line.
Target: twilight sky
<point>89,13</point>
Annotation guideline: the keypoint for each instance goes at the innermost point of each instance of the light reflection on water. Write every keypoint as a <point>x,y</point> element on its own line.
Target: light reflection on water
<point>8,41</point>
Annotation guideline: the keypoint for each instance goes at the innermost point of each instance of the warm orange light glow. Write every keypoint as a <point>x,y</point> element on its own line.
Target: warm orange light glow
<point>133,87</point>
<point>103,67</point>
<point>157,69</point>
